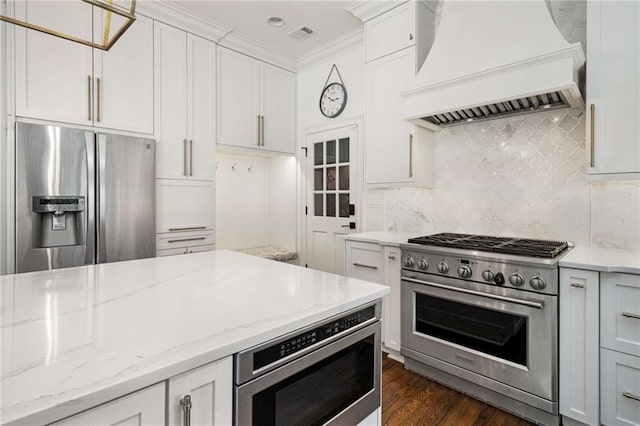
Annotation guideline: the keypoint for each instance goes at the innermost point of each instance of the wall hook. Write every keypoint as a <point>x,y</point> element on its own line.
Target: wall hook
<point>233,168</point>
<point>250,169</point>
<point>217,164</point>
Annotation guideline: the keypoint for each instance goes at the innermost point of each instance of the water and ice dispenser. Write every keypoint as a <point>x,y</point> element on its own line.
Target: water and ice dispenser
<point>59,221</point>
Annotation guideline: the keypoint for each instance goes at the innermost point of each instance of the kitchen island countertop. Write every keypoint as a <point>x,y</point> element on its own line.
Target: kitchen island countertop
<point>75,338</point>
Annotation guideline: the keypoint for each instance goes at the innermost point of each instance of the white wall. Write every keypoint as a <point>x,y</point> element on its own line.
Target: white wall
<point>282,210</point>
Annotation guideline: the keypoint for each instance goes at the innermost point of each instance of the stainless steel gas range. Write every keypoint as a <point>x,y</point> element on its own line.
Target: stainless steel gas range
<point>480,314</point>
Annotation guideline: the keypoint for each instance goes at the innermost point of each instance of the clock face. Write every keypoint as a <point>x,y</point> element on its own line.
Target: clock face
<point>333,100</point>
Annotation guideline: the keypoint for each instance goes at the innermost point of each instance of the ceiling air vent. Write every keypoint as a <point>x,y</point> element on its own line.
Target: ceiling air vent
<point>301,33</point>
<point>537,103</point>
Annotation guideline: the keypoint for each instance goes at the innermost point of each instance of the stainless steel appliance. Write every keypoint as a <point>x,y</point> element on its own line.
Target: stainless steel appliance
<point>480,314</point>
<point>82,197</point>
<point>327,373</point>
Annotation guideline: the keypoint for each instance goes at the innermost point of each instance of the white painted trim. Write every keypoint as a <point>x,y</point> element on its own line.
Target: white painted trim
<point>175,16</point>
<point>341,45</point>
<point>357,121</point>
<point>366,10</point>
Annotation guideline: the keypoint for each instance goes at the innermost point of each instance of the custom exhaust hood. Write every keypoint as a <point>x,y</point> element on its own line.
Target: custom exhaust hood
<point>492,59</point>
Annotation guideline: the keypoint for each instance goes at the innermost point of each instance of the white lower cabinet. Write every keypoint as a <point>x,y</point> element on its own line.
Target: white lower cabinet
<point>620,323</point>
<point>392,266</point>
<point>579,345</point>
<point>145,407</point>
<point>364,261</point>
<point>620,388</point>
<point>207,391</point>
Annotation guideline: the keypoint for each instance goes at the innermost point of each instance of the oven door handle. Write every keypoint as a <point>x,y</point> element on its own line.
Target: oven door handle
<point>530,303</point>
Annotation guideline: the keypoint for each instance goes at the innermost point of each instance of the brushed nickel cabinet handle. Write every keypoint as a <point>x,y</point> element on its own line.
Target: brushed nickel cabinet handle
<point>630,315</point>
<point>262,130</point>
<point>578,285</point>
<point>259,133</point>
<point>184,157</point>
<point>89,98</point>
<point>631,396</point>
<point>188,228</point>
<point>362,265</point>
<point>593,134</point>
<point>98,99</point>
<point>186,405</point>
<point>410,155</point>
<point>182,240</point>
<point>190,157</point>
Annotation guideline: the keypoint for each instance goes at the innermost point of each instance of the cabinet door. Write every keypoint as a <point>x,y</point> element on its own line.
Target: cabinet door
<point>238,99</point>
<point>123,77</point>
<point>392,268</point>
<point>210,389</point>
<point>54,76</point>
<point>278,109</point>
<point>391,31</point>
<point>184,205</point>
<point>171,102</point>
<point>613,87</point>
<point>579,345</point>
<point>142,408</point>
<point>389,137</point>
<point>201,82</point>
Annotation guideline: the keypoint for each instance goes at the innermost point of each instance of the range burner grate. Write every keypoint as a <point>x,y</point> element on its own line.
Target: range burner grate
<point>515,246</point>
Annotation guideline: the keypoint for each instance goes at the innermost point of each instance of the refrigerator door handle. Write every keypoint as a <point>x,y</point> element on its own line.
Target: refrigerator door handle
<point>101,199</point>
<point>90,238</point>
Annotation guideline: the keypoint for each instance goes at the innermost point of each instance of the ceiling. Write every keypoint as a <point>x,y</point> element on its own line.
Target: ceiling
<point>329,19</point>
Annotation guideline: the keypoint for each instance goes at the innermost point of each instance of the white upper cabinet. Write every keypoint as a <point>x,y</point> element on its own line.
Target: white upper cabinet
<point>124,77</point>
<point>613,87</point>
<point>256,104</point>
<point>64,81</point>
<point>391,31</point>
<point>278,109</point>
<point>396,151</point>
<point>54,77</point>
<point>185,105</point>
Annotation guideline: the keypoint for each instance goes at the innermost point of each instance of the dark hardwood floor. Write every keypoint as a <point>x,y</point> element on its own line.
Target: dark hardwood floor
<point>410,399</point>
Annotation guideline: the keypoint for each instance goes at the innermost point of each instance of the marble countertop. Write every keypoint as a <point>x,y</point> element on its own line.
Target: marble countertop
<point>603,260</point>
<point>389,238</point>
<point>74,338</point>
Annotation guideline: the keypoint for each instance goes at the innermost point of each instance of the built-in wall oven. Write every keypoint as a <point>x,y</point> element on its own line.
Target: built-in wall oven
<point>484,323</point>
<point>327,373</point>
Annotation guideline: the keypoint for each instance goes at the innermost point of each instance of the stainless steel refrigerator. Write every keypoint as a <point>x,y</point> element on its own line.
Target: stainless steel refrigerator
<point>82,197</point>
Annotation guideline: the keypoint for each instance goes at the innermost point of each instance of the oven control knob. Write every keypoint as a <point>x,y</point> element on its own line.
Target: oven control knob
<point>516,280</point>
<point>443,268</point>
<point>499,279</point>
<point>409,262</point>
<point>464,271</point>
<point>488,275</point>
<point>537,283</point>
<point>423,264</point>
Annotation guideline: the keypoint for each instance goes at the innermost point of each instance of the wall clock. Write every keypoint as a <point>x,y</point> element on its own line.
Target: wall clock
<point>333,98</point>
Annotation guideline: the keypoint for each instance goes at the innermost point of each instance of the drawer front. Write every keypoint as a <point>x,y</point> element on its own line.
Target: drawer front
<point>184,239</point>
<point>184,205</point>
<point>620,313</point>
<point>620,388</point>
<point>200,249</point>
<point>365,261</point>
<point>391,31</point>
<point>172,252</point>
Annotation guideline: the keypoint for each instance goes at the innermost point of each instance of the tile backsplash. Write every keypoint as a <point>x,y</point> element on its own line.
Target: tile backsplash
<point>522,176</point>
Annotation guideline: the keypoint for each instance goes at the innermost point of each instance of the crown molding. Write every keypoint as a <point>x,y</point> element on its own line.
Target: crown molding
<point>221,35</point>
<point>366,10</point>
<point>339,46</point>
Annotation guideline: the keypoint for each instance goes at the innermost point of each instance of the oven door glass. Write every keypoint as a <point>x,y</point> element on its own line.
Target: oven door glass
<point>318,393</point>
<point>497,333</point>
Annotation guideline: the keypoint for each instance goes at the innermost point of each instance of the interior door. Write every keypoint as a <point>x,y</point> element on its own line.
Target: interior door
<point>331,189</point>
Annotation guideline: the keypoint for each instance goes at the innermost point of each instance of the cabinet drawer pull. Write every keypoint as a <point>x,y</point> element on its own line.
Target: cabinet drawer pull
<point>188,228</point>
<point>362,265</point>
<point>89,98</point>
<point>631,396</point>
<point>630,315</point>
<point>410,155</point>
<point>593,135</point>
<point>578,285</point>
<point>185,403</point>
<point>181,240</point>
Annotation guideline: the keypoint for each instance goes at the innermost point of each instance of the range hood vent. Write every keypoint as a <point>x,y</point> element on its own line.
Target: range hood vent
<point>493,59</point>
<point>543,102</point>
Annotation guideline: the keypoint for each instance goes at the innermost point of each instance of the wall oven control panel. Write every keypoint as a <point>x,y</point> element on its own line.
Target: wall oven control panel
<point>303,340</point>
